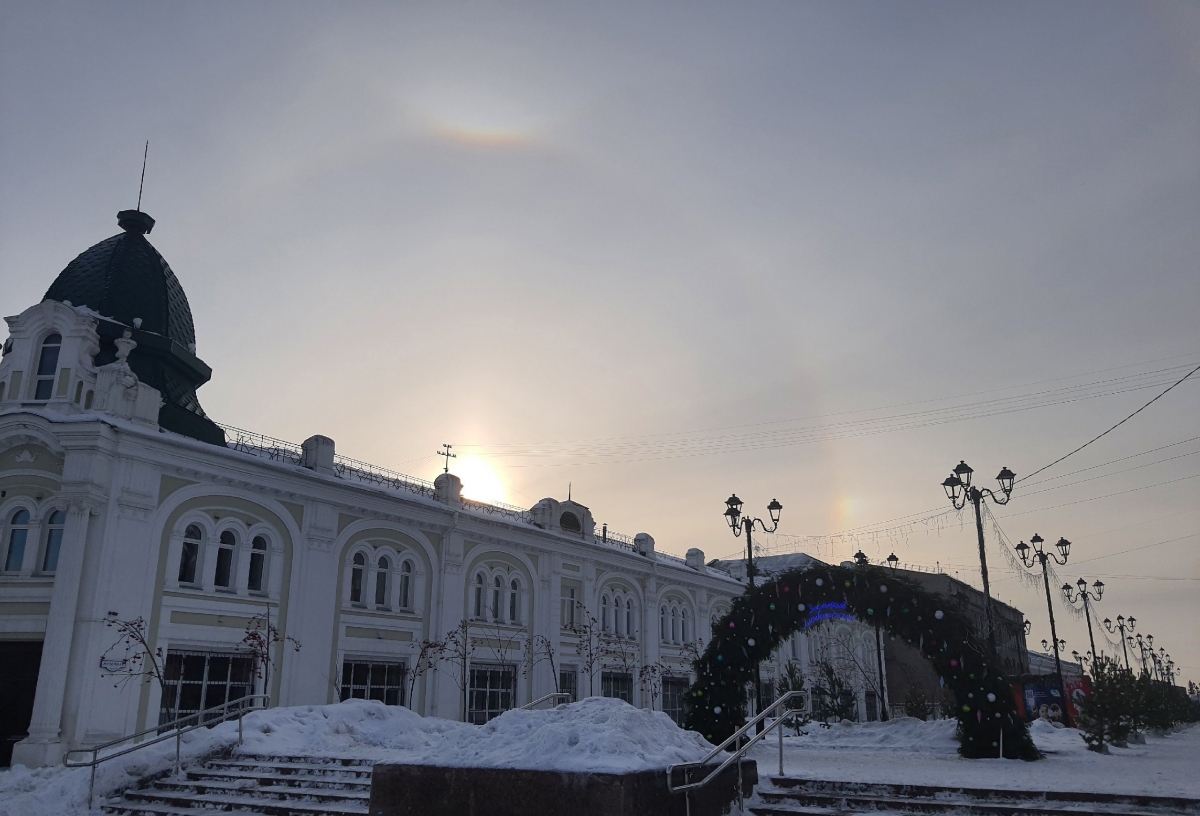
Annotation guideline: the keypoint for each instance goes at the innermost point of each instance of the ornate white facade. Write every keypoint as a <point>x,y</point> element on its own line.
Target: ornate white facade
<point>107,514</point>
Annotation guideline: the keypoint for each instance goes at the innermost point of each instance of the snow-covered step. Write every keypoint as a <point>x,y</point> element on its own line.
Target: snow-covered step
<point>274,785</point>
<point>782,796</point>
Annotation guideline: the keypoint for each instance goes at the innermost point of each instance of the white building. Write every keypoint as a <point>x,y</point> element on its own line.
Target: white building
<point>121,500</point>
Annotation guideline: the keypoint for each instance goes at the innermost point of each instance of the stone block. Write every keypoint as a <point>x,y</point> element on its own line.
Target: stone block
<point>431,790</point>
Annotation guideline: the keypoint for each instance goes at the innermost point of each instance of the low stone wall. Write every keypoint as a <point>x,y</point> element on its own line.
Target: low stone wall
<point>430,790</point>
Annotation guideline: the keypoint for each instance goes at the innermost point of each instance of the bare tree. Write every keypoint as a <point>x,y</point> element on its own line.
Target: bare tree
<point>261,636</point>
<point>131,656</point>
<point>650,676</point>
<point>428,655</point>
<point>539,649</point>
<point>587,630</point>
<point>846,658</point>
<point>458,651</point>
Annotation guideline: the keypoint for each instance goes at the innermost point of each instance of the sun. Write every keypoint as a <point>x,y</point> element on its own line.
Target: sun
<point>480,482</point>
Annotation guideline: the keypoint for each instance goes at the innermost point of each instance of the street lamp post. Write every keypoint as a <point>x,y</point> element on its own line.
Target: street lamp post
<point>1141,644</point>
<point>959,490</point>
<point>739,523</point>
<point>1087,596</point>
<point>860,559</point>
<point>1041,555</point>
<point>1124,625</point>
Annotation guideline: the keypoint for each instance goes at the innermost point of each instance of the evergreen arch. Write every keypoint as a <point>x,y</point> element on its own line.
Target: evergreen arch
<point>765,615</point>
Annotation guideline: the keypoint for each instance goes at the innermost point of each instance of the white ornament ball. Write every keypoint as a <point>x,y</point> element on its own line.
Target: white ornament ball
<point>991,698</point>
<point>939,614</point>
<point>716,709</point>
<point>820,582</point>
<point>749,641</point>
<point>883,587</point>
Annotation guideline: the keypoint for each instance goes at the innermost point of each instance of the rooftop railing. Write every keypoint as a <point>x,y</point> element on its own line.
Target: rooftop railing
<point>279,450</point>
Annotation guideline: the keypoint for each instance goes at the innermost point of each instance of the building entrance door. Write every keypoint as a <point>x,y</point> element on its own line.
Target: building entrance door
<point>19,664</point>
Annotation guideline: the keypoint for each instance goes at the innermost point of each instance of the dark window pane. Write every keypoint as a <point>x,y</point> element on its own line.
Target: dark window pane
<point>187,563</point>
<point>53,545</point>
<point>361,672</point>
<point>224,566</point>
<point>257,560</point>
<point>16,550</point>
<point>48,361</point>
<point>193,668</point>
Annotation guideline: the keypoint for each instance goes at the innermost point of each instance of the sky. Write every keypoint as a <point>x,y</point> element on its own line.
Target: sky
<point>656,253</point>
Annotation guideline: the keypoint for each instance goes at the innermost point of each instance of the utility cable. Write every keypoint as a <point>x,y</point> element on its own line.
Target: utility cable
<point>1114,427</point>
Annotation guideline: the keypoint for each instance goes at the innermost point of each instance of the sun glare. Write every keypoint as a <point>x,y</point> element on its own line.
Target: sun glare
<point>480,482</point>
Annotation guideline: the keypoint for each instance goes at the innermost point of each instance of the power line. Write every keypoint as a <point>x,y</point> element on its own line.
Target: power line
<point>1114,427</point>
<point>1106,496</point>
<point>1113,462</point>
<point>1137,549</point>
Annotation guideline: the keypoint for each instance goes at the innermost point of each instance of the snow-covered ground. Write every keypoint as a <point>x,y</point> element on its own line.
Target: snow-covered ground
<point>597,734</point>
<point>925,753</point>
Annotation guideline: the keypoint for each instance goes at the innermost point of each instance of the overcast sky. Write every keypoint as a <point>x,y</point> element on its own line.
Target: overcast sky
<point>664,252</point>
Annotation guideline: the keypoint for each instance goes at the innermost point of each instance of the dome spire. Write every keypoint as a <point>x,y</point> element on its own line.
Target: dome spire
<point>135,220</point>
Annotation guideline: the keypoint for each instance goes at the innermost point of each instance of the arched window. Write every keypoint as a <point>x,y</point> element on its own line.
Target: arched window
<point>618,618</point>
<point>258,564</point>
<point>664,634</point>
<point>43,387</point>
<point>357,573</point>
<point>189,556</point>
<point>684,627</point>
<point>570,523</point>
<point>514,601</point>
<point>224,572</point>
<point>478,597</point>
<point>496,608</point>
<point>674,625</point>
<point>604,613</point>
<point>54,537</point>
<point>78,393</point>
<point>406,569</point>
<point>16,541</point>
<point>630,629</point>
<point>381,581</point>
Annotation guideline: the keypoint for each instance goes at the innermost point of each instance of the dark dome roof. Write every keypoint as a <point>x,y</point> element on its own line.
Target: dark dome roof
<point>123,278</point>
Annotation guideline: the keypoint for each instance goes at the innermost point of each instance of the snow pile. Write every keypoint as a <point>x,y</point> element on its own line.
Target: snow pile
<point>904,733</point>
<point>60,791</point>
<point>598,735</point>
<point>1051,740</point>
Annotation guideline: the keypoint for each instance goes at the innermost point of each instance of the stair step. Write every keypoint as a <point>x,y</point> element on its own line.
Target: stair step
<point>854,803</point>
<point>152,809</point>
<point>299,781</point>
<point>149,801</point>
<point>325,761</point>
<point>1069,801</point>
<point>254,789</point>
<point>284,767</point>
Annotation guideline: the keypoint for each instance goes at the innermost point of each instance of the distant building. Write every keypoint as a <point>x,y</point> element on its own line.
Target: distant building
<point>909,672</point>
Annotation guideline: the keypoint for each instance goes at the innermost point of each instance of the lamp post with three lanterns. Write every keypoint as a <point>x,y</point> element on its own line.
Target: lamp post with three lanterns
<point>739,523</point>
<point>1123,625</point>
<point>959,491</point>
<point>1041,555</point>
<point>1086,595</point>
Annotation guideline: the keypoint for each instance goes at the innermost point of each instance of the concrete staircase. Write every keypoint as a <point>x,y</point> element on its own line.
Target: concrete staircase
<point>788,796</point>
<point>276,785</point>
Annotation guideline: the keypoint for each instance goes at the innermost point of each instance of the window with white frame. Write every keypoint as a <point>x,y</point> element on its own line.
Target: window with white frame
<point>258,565</point>
<point>674,625</point>
<point>630,625</point>
<point>497,610</point>
<point>514,601</point>
<point>477,602</point>
<point>227,544</point>
<point>18,535</point>
<point>358,573</point>
<point>382,575</point>
<point>685,627</point>
<point>604,618</point>
<point>406,574</point>
<point>43,386</point>
<point>664,628</point>
<point>55,525</point>
<point>568,607</point>
<point>189,554</point>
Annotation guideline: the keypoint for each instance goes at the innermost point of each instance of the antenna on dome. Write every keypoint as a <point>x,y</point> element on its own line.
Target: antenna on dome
<point>142,183</point>
<point>568,491</point>
<point>448,456</point>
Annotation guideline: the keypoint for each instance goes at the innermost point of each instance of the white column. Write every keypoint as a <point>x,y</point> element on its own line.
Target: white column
<point>44,744</point>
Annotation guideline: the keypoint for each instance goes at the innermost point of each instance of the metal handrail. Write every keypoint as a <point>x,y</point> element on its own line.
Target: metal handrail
<point>739,753</point>
<point>557,695</point>
<point>202,720</point>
